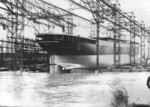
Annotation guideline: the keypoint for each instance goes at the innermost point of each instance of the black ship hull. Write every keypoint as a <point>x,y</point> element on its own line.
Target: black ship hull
<point>78,52</point>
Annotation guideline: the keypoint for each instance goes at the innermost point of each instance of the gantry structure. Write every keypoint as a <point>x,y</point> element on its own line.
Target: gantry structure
<point>44,17</point>
<point>119,21</point>
<point>16,15</point>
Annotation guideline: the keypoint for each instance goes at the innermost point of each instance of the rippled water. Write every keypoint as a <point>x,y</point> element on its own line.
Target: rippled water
<point>70,90</point>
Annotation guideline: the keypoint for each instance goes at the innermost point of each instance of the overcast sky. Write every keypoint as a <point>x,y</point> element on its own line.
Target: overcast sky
<point>141,9</point>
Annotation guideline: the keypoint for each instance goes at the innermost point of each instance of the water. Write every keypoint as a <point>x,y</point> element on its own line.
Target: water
<point>70,90</point>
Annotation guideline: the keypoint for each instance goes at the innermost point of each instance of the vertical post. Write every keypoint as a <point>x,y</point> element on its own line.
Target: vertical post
<point>132,44</point>
<point>142,48</point>
<point>22,35</point>
<point>10,35</point>
<point>148,48</point>
<point>52,66</point>
<point>114,31</point>
<point>21,62</point>
<point>93,29</point>
<point>97,45</point>
<point>15,38</point>
<point>3,51</point>
<point>97,30</point>
<point>116,39</point>
<point>70,26</point>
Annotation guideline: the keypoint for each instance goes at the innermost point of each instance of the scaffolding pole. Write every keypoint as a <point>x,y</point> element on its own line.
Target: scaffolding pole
<point>132,45</point>
<point>142,47</point>
<point>117,36</point>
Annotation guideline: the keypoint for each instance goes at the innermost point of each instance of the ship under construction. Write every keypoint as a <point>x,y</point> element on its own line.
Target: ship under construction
<point>72,52</point>
<point>64,39</point>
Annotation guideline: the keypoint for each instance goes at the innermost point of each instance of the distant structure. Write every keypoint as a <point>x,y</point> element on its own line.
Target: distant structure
<point>44,17</point>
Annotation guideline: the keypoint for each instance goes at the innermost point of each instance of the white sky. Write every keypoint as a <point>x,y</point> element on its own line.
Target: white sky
<point>141,9</point>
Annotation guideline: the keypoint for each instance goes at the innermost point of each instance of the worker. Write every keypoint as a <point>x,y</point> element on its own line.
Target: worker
<point>148,82</point>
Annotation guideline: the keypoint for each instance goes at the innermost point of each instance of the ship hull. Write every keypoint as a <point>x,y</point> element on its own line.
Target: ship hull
<point>74,48</point>
<point>89,61</point>
<point>74,52</point>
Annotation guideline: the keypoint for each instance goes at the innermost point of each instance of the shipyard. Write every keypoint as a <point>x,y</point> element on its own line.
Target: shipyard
<point>74,53</point>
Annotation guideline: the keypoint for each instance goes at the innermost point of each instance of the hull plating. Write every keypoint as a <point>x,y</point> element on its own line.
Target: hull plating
<point>89,61</point>
<point>81,52</point>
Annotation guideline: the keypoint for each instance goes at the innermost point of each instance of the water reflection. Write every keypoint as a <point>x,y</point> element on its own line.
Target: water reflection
<point>69,90</point>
